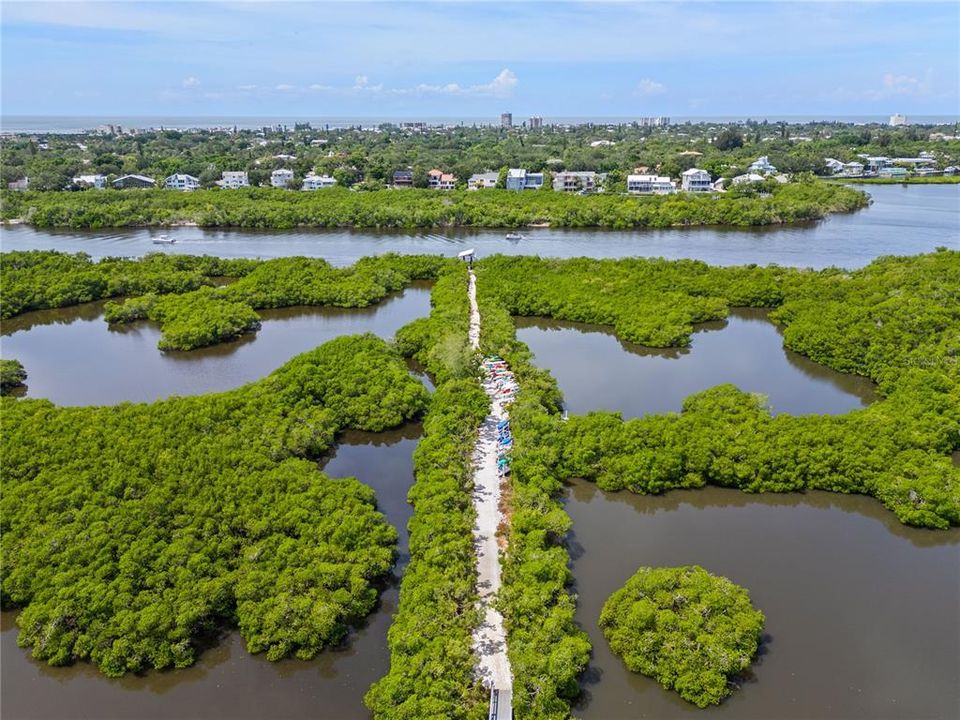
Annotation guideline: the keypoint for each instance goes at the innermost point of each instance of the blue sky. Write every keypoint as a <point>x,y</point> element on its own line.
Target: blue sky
<point>457,59</point>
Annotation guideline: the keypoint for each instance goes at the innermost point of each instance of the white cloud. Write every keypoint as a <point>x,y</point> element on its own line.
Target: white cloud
<point>190,82</point>
<point>892,85</point>
<point>362,84</point>
<point>246,87</point>
<point>319,87</point>
<point>905,84</point>
<point>650,87</point>
<point>284,87</point>
<point>501,86</point>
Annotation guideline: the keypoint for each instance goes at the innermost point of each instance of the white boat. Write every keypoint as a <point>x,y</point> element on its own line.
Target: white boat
<point>164,240</point>
<point>514,236</point>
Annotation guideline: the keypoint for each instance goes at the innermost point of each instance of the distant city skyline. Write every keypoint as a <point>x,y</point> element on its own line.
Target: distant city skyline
<point>429,59</point>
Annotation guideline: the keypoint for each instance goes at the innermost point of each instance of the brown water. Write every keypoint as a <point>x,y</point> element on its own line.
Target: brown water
<point>597,371</point>
<point>73,357</point>
<point>227,682</point>
<point>862,613</point>
<point>903,220</point>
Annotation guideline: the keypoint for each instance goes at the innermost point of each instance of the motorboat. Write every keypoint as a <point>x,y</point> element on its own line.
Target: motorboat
<point>164,240</point>
<point>514,236</point>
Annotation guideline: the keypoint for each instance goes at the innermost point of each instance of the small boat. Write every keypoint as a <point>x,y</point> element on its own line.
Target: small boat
<point>164,240</point>
<point>514,236</point>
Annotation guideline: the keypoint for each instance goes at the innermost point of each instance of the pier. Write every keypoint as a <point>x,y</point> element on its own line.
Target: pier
<point>491,466</point>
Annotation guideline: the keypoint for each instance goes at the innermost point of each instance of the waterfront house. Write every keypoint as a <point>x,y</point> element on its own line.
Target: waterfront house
<point>483,180</point>
<point>892,171</point>
<point>448,181</point>
<point>233,179</point>
<point>134,181</point>
<point>696,180</point>
<point>951,170</point>
<point>403,178</point>
<point>281,177</point>
<point>433,179</point>
<point>833,165</point>
<point>576,181</point>
<point>853,169</point>
<point>874,163</point>
<point>520,179</point>
<point>95,181</point>
<point>181,181</point>
<point>762,165</point>
<point>317,182</point>
<point>19,185</point>
<point>650,184</point>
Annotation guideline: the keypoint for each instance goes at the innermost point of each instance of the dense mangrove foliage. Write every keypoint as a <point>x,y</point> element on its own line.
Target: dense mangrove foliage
<point>132,533</point>
<point>188,321</point>
<point>178,293</point>
<point>431,659</point>
<point>413,208</point>
<point>12,374</point>
<point>895,321</point>
<point>41,279</point>
<point>690,630</point>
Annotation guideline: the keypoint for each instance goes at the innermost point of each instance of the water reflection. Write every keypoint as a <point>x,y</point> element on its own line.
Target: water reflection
<point>862,613</point>
<point>903,220</point>
<point>227,682</point>
<point>73,357</point>
<point>598,371</point>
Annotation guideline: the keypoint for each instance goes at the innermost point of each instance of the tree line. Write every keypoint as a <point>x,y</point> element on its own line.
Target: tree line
<point>365,158</point>
<point>270,208</point>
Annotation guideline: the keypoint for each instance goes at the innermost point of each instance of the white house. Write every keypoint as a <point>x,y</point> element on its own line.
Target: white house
<point>95,181</point>
<point>696,180</point>
<point>439,180</point>
<point>897,120</point>
<point>281,178</point>
<point>483,180</point>
<point>576,181</point>
<point>747,178</point>
<point>318,182</point>
<point>833,165</point>
<point>181,181</point>
<point>655,184</point>
<point>853,169</point>
<point>233,179</point>
<point>520,179</point>
<point>761,165</point>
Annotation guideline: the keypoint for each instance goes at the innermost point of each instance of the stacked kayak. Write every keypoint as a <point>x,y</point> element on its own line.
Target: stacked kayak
<point>501,383</point>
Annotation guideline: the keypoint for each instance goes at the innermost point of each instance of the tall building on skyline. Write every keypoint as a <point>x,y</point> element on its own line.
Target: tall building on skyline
<point>506,120</point>
<point>535,122</point>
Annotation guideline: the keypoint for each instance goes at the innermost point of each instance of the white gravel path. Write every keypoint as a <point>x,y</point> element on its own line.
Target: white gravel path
<point>490,638</point>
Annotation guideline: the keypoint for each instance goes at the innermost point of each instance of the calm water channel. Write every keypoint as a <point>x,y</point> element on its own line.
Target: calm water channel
<point>596,371</point>
<point>863,614</point>
<point>902,220</point>
<point>228,682</point>
<point>73,357</point>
